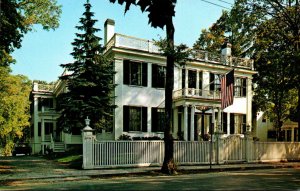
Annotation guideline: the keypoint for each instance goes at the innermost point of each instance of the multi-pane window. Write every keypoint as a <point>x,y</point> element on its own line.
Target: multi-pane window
<point>200,79</point>
<point>158,119</point>
<point>214,82</point>
<point>237,123</point>
<point>135,73</point>
<point>134,118</point>
<point>158,76</point>
<point>240,87</point>
<point>192,78</point>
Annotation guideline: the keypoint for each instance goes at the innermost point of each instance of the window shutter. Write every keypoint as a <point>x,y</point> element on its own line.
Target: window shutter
<point>144,74</point>
<point>144,119</point>
<point>126,73</point>
<point>211,81</point>
<point>231,123</point>
<point>224,119</point>
<point>244,87</point>
<point>125,118</point>
<point>154,119</point>
<point>154,75</point>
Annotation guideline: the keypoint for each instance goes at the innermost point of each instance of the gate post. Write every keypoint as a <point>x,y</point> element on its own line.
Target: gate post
<point>219,148</point>
<point>248,146</point>
<point>87,145</point>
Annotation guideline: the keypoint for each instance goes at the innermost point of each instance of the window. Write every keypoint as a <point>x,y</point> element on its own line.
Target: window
<point>240,87</point>
<point>134,118</point>
<point>47,103</point>
<point>158,119</point>
<point>214,82</point>
<point>237,123</point>
<point>48,128</point>
<point>271,134</point>
<point>192,78</point>
<point>158,76</point>
<point>200,80</point>
<point>183,78</point>
<point>135,73</point>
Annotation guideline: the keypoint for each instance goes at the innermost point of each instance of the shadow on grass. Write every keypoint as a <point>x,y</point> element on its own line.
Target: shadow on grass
<point>70,159</point>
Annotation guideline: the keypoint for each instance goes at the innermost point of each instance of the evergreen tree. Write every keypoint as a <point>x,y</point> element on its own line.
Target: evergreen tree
<point>89,81</point>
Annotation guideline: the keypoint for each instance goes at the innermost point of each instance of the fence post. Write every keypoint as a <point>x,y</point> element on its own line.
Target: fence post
<point>219,147</point>
<point>248,146</point>
<point>87,145</point>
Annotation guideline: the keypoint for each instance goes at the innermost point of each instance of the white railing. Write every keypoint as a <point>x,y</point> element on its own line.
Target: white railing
<point>146,153</point>
<point>127,153</point>
<point>119,40</point>
<point>197,93</point>
<point>189,152</point>
<point>123,41</point>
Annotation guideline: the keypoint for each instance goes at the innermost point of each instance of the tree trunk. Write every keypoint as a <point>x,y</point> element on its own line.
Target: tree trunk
<point>298,113</point>
<point>169,166</point>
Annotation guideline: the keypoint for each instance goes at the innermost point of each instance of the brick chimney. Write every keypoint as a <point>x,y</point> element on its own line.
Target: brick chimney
<point>109,30</point>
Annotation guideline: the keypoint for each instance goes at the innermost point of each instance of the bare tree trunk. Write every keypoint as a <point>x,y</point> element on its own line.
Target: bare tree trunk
<point>169,166</point>
<point>298,113</point>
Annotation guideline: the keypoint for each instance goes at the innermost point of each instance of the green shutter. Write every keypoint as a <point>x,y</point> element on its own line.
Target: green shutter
<point>154,120</point>
<point>126,73</point>
<point>144,119</point>
<point>125,118</point>
<point>144,74</point>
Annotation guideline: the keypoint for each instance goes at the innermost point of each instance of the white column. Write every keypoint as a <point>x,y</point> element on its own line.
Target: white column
<point>197,80</point>
<point>192,125</point>
<point>292,134</point>
<point>43,134</point>
<point>175,122</point>
<point>185,123</point>
<point>35,124</point>
<point>149,75</point>
<point>149,117</point>
<point>186,82</point>
<point>228,123</point>
<point>249,103</point>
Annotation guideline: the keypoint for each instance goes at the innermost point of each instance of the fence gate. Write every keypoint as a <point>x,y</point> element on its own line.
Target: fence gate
<point>233,149</point>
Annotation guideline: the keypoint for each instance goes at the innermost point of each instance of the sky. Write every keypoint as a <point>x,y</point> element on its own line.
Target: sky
<point>42,51</point>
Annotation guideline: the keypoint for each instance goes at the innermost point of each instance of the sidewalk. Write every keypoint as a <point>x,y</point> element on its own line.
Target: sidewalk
<point>44,169</point>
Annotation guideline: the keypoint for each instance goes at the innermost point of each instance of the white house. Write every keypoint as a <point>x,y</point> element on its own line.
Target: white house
<point>140,78</point>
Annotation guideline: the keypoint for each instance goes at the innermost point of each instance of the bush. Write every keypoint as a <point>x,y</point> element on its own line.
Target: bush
<point>205,137</point>
<point>124,137</point>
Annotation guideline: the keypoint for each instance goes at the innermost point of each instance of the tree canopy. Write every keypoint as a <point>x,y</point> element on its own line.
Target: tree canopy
<point>267,31</point>
<point>90,82</point>
<point>14,108</point>
<point>17,17</point>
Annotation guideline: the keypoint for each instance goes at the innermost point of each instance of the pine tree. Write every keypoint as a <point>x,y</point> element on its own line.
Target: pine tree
<point>89,82</point>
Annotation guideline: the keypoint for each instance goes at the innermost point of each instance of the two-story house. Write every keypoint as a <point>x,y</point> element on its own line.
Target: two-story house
<point>140,78</point>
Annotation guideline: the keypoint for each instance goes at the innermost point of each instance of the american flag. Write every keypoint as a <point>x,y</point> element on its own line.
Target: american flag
<point>227,87</point>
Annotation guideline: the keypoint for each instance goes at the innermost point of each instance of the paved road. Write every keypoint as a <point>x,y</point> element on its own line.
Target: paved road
<point>50,178</point>
<point>267,179</point>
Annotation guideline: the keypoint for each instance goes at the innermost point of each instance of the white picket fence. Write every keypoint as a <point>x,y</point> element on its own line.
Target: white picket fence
<point>106,154</point>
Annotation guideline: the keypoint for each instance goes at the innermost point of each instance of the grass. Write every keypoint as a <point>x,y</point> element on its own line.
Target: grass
<point>71,159</point>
